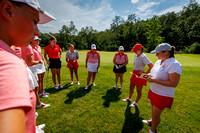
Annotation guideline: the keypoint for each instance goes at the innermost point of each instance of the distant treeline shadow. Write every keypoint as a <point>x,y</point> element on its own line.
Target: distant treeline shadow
<point>74,94</point>
<point>112,95</point>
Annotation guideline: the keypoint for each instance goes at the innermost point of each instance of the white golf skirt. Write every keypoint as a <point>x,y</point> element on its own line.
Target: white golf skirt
<point>92,67</point>
<point>40,68</point>
<point>32,81</point>
<point>34,71</point>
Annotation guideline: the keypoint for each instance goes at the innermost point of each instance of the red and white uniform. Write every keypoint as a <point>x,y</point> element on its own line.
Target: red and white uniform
<point>120,59</point>
<point>162,96</point>
<point>26,51</point>
<point>92,61</point>
<point>161,72</point>
<point>14,86</point>
<point>37,56</point>
<point>93,57</point>
<point>53,52</point>
<point>139,64</point>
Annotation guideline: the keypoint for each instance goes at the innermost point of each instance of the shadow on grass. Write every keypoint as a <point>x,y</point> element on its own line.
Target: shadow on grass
<point>133,123</point>
<point>53,90</point>
<point>112,95</point>
<point>74,94</point>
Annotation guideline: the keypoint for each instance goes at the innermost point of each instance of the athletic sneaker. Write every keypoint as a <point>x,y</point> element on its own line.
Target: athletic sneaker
<point>133,104</point>
<point>115,86</point>
<point>93,84</point>
<point>78,83</point>
<point>40,126</point>
<point>120,86</point>
<point>86,87</point>
<point>60,86</point>
<point>55,86</point>
<point>36,115</point>
<point>72,82</point>
<point>46,93</point>
<point>42,105</point>
<point>148,122</point>
<point>43,95</point>
<point>126,100</point>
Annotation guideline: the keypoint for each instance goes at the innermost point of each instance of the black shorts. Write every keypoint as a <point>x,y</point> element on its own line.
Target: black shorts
<point>120,70</point>
<point>55,63</point>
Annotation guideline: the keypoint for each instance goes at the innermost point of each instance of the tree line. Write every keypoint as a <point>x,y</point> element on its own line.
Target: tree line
<point>181,30</point>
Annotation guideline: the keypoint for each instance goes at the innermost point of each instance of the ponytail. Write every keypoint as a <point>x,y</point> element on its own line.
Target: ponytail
<point>171,53</point>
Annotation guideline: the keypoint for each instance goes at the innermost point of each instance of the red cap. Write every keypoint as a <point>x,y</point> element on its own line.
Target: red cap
<point>136,47</point>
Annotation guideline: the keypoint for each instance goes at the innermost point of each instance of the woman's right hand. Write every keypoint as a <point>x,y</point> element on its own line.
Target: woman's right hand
<point>48,62</point>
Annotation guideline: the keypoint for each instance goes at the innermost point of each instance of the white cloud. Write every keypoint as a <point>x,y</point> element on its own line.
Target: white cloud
<point>99,16</point>
<point>171,9</point>
<point>147,6</point>
<point>134,1</point>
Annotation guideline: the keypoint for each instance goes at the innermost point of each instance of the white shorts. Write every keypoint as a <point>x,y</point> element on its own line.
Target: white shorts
<point>32,81</point>
<point>33,70</point>
<point>40,68</point>
<point>92,67</point>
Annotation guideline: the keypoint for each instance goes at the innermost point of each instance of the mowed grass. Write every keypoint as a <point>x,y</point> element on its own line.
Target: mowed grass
<point>100,108</point>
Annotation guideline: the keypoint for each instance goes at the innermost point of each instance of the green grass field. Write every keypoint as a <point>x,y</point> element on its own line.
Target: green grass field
<point>100,108</point>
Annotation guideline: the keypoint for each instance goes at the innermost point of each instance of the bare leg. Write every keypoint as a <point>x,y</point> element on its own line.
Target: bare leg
<point>71,73</point>
<point>155,118</point>
<point>37,96</point>
<point>42,78</point>
<point>76,73</point>
<point>93,76</point>
<point>89,77</point>
<point>53,71</point>
<point>116,78</point>
<point>58,75</point>
<point>132,86</point>
<point>121,78</point>
<point>139,93</point>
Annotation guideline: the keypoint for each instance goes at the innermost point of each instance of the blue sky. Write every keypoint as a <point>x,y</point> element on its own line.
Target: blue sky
<point>100,13</point>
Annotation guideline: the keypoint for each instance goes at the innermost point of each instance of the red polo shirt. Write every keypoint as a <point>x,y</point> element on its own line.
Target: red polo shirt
<point>53,52</point>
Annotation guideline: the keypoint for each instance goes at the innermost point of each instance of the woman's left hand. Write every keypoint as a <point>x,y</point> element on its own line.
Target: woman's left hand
<point>149,79</point>
<point>120,66</point>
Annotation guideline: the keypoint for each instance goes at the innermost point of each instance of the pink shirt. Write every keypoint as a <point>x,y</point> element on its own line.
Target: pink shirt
<point>26,51</point>
<point>120,59</point>
<point>14,86</point>
<point>37,53</point>
<point>93,57</point>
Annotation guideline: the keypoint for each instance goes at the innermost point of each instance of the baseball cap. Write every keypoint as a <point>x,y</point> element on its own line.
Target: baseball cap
<point>36,38</point>
<point>162,47</point>
<point>44,16</point>
<point>93,46</point>
<point>121,48</point>
<point>136,47</point>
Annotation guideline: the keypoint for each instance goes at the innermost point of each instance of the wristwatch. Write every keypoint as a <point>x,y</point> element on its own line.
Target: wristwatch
<point>40,62</point>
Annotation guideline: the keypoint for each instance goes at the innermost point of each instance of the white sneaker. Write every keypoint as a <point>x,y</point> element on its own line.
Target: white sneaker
<point>115,86</point>
<point>133,104</point>
<point>78,83</point>
<point>42,105</point>
<point>126,100</point>
<point>55,86</point>
<point>60,86</point>
<point>86,87</point>
<point>72,82</point>
<point>93,84</point>
<point>40,126</point>
<point>46,93</point>
<point>148,122</point>
<point>43,95</point>
<point>36,115</point>
<point>120,86</point>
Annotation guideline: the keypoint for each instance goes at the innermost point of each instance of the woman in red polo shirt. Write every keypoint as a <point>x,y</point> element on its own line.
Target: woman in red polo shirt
<point>54,53</point>
<point>92,64</point>
<point>120,61</point>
